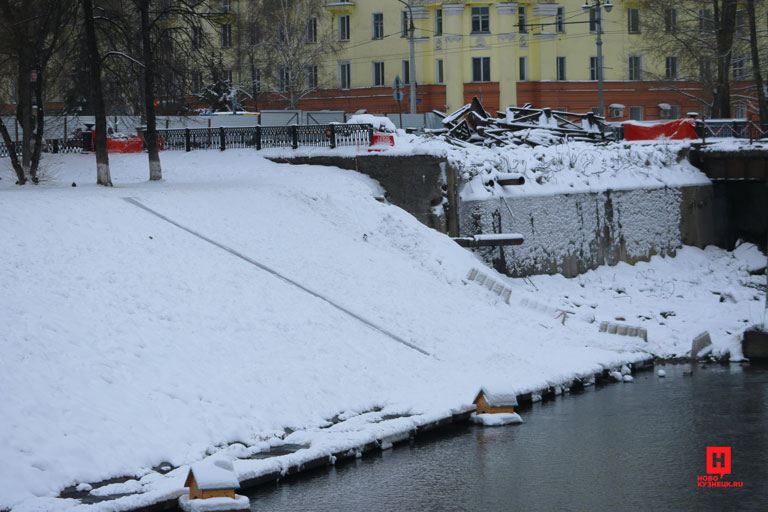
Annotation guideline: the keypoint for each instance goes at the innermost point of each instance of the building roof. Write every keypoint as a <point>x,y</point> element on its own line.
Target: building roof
<point>214,474</point>
<point>497,398</point>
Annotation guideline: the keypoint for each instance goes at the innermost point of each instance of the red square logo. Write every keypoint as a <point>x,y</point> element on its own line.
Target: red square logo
<point>719,460</point>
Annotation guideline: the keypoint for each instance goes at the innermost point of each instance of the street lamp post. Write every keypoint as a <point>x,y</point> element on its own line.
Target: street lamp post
<point>587,7</point>
<point>412,68</point>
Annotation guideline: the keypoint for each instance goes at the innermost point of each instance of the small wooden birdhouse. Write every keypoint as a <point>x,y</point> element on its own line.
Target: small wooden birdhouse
<point>212,479</point>
<point>491,402</point>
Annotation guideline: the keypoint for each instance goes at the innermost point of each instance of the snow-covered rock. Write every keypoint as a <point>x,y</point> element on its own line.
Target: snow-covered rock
<point>615,375</point>
<point>628,378</point>
<point>661,373</point>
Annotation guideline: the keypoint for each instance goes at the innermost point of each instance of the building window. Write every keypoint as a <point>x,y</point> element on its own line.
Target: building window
<point>226,6</point>
<point>522,23</point>
<point>595,17</point>
<point>344,28</point>
<point>378,25</point>
<point>283,79</point>
<point>670,21</point>
<point>378,74</point>
<point>635,66</point>
<point>404,24</point>
<point>226,75</point>
<point>197,81</point>
<point>674,111</point>
<point>226,35</point>
<point>739,67</point>
<point>312,77</point>
<point>561,68</point>
<point>345,77</point>
<point>312,30</point>
<point>636,113</point>
<point>706,22</point>
<point>481,69</point>
<point>439,77</point>
<point>671,68</point>
<point>480,20</point>
<point>560,20</point>
<point>633,15</point>
<point>438,22</point>
<point>594,69</point>
<point>523,69</point>
<point>406,72</point>
<point>740,111</point>
<point>741,22</point>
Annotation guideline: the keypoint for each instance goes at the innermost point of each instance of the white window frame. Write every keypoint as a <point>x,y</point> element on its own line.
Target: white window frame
<point>344,73</point>
<point>481,19</point>
<point>226,35</point>
<point>377,25</point>
<point>484,65</point>
<point>344,27</point>
<point>560,69</point>
<point>311,77</point>
<point>633,14</point>
<point>377,69</point>
<point>312,30</point>
<point>560,20</point>
<point>670,67</point>
<point>438,22</point>
<point>630,70</point>
<point>522,19</point>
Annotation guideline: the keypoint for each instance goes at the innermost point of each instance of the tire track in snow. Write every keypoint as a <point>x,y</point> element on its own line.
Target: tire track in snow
<point>277,274</point>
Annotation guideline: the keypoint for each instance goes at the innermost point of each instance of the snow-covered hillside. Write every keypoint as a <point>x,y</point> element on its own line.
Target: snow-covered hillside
<point>260,296</point>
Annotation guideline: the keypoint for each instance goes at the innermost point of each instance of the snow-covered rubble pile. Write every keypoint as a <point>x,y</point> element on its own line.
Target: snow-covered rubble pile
<point>127,341</point>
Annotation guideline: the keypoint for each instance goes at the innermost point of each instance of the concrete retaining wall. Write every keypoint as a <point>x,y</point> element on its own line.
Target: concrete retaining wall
<point>572,233</point>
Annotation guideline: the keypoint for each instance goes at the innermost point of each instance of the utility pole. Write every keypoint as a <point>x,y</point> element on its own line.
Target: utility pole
<point>587,7</point>
<point>412,65</point>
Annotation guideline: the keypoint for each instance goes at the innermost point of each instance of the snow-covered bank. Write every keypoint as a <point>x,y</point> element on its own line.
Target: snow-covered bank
<point>127,341</point>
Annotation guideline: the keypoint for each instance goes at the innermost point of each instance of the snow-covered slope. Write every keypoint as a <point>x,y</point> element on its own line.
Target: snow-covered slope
<point>269,296</point>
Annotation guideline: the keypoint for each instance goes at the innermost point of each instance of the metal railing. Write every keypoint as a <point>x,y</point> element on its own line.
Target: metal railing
<point>49,146</point>
<point>260,137</point>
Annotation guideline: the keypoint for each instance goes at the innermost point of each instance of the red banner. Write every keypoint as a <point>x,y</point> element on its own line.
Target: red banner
<point>674,130</point>
<point>132,145</point>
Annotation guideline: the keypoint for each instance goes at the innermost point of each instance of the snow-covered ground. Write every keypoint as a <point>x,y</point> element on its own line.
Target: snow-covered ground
<point>260,297</point>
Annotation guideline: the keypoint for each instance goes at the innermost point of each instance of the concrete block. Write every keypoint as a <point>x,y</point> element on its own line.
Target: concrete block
<point>611,329</point>
<point>603,326</point>
<point>621,329</point>
<point>642,332</point>
<point>699,343</point>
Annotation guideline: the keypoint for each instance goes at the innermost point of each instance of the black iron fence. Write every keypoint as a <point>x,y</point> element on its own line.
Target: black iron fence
<point>260,137</point>
<point>49,146</point>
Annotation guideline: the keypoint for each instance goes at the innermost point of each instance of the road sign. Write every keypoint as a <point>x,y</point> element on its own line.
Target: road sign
<point>398,83</point>
<point>398,95</point>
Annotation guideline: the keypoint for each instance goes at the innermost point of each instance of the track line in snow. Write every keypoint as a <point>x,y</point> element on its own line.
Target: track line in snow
<point>277,274</point>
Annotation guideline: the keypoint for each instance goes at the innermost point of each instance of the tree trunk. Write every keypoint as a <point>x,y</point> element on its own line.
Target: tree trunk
<point>24,113</point>
<point>150,139</point>
<point>38,136</point>
<point>725,17</point>
<point>103,176</point>
<point>762,105</point>
<point>11,145</point>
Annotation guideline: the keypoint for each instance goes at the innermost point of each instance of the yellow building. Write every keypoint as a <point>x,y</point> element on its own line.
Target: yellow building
<point>504,53</point>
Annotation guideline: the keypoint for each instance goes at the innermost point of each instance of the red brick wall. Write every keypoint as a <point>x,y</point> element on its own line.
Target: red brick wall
<point>487,93</point>
<point>582,96</point>
<point>377,100</point>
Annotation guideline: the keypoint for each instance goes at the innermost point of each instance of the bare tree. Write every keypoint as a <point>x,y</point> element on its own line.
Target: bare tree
<point>31,32</point>
<point>103,176</point>
<point>288,42</point>
<point>700,35</point>
<point>757,75</point>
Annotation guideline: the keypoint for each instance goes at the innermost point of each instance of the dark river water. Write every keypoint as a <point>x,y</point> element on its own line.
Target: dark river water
<point>635,446</point>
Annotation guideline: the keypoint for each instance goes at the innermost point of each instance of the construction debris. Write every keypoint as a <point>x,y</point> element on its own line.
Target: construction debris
<point>472,124</point>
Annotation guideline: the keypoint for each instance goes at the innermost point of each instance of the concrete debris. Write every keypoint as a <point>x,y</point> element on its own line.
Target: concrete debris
<point>699,343</point>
